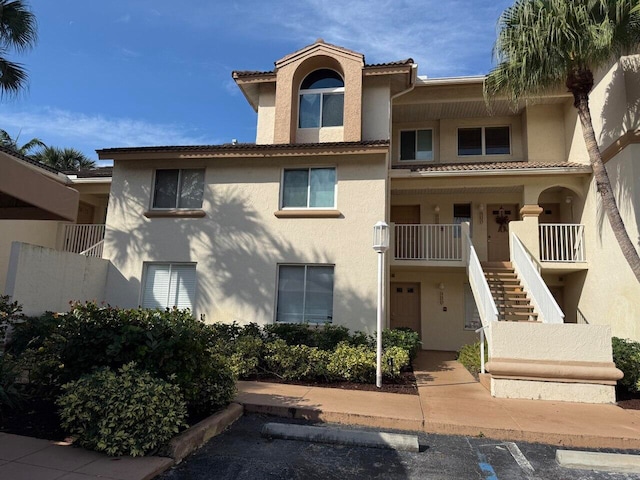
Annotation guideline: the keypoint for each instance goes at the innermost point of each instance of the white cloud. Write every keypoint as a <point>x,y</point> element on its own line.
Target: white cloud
<point>453,37</point>
<point>89,132</point>
<point>126,18</point>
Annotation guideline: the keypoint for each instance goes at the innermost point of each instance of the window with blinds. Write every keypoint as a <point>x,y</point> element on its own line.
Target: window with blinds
<point>305,294</point>
<point>168,285</point>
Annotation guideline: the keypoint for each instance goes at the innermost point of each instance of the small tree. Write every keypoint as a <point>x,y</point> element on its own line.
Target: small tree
<point>542,43</point>
<point>64,158</point>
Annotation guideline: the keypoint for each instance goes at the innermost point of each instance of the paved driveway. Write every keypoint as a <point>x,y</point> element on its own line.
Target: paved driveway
<point>241,453</point>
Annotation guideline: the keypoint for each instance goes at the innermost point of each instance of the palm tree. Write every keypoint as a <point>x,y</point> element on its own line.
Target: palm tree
<point>18,32</point>
<point>64,159</point>
<point>542,43</point>
<point>8,141</point>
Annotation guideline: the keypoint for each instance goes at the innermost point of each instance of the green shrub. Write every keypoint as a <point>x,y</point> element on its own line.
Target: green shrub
<point>469,356</point>
<point>626,356</point>
<point>11,394</point>
<point>9,314</point>
<point>169,344</point>
<point>295,362</point>
<point>247,356</point>
<point>394,359</point>
<point>329,336</point>
<point>43,368</point>
<point>124,413</point>
<point>404,338</point>
<point>32,332</point>
<point>352,363</point>
<point>292,333</point>
<point>361,338</point>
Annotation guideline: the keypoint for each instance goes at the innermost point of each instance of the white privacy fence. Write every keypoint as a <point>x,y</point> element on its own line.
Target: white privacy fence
<point>561,242</point>
<point>83,238</point>
<point>429,242</point>
<point>542,300</point>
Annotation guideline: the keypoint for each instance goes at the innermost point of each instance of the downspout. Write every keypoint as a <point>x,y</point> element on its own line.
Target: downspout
<point>412,83</point>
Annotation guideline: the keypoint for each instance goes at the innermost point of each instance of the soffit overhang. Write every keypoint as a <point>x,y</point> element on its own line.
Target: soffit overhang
<point>245,150</point>
<point>30,193</point>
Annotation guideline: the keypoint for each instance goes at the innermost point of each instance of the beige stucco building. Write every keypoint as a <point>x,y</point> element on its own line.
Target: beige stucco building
<point>496,227</point>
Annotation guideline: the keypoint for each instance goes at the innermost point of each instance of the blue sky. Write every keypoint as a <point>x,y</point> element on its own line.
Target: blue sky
<point>157,72</point>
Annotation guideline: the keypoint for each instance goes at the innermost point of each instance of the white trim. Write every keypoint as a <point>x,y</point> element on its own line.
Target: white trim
<point>178,191</point>
<point>415,147</point>
<point>309,168</point>
<point>483,145</point>
<point>143,283</point>
<point>304,299</point>
<point>407,173</point>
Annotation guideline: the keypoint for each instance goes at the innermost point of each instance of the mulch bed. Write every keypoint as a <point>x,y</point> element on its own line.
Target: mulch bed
<point>36,418</point>
<point>627,400</point>
<point>406,384</point>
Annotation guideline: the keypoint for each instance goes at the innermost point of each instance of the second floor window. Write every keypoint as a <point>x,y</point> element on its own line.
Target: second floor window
<point>309,188</point>
<point>178,188</point>
<point>321,100</point>
<point>484,141</point>
<point>416,145</point>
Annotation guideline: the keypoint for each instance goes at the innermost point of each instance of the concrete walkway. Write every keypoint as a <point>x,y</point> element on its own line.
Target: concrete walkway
<point>26,458</point>
<point>450,401</point>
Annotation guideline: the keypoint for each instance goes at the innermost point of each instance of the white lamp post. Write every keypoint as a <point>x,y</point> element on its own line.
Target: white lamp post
<point>380,245</point>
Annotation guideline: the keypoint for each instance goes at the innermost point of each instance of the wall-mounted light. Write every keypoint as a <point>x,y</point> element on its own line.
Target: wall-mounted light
<point>481,210</point>
<point>436,214</point>
<point>569,200</point>
<point>441,288</point>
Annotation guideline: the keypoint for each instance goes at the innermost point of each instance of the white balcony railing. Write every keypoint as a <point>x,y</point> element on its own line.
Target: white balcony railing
<point>541,299</point>
<point>441,242</point>
<point>561,242</point>
<point>84,239</point>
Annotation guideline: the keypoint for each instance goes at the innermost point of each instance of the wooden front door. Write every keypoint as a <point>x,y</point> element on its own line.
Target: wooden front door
<point>498,233</point>
<point>405,306</point>
<point>405,214</point>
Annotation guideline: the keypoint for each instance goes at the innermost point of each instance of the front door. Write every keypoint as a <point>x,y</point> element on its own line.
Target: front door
<point>405,306</point>
<point>498,218</point>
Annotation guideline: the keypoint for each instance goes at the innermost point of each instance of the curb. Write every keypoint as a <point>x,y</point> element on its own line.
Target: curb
<point>194,437</point>
<point>419,425</point>
<point>316,415</point>
<point>608,462</point>
<point>338,436</point>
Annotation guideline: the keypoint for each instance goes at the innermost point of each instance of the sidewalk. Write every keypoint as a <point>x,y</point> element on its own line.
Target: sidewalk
<point>450,401</point>
<point>26,458</point>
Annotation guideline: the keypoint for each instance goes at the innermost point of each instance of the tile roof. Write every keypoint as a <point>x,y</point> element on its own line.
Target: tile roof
<point>99,172</point>
<point>483,166</point>
<point>229,147</point>
<point>30,160</point>
<point>258,73</point>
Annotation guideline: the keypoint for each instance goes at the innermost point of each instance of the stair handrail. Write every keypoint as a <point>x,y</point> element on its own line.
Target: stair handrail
<point>94,250</point>
<point>480,287</point>
<point>540,296</point>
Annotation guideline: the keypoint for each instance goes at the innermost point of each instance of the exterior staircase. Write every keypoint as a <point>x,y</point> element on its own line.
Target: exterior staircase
<point>511,299</point>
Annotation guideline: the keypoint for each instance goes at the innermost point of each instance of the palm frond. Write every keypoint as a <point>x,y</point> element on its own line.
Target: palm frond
<point>18,26</point>
<point>13,77</point>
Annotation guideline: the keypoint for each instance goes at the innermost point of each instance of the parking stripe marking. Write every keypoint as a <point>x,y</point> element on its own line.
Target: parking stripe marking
<point>519,457</point>
<point>486,467</point>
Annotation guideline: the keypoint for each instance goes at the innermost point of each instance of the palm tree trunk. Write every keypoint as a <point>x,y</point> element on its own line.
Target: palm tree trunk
<point>604,185</point>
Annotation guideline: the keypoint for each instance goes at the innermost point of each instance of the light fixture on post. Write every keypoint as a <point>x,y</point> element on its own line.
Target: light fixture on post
<point>380,245</point>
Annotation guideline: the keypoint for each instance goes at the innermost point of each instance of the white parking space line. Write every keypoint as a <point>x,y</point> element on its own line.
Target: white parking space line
<point>519,457</point>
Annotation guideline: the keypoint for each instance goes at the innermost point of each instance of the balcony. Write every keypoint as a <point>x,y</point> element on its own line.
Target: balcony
<point>429,244</point>
<point>85,239</point>
<point>562,243</point>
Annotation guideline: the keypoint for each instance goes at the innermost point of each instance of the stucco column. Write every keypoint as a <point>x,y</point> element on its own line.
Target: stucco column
<point>527,229</point>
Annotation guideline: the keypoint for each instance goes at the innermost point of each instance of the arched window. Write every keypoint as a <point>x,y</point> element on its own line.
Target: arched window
<point>321,100</point>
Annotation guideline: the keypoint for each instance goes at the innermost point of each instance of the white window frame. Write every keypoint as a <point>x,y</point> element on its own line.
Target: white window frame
<point>145,269</point>
<point>321,92</point>
<point>335,188</point>
<point>304,300</point>
<point>180,170</point>
<point>415,149</point>
<point>483,141</point>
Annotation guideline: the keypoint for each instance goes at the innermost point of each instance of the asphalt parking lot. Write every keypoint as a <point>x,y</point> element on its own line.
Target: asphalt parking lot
<point>241,453</point>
